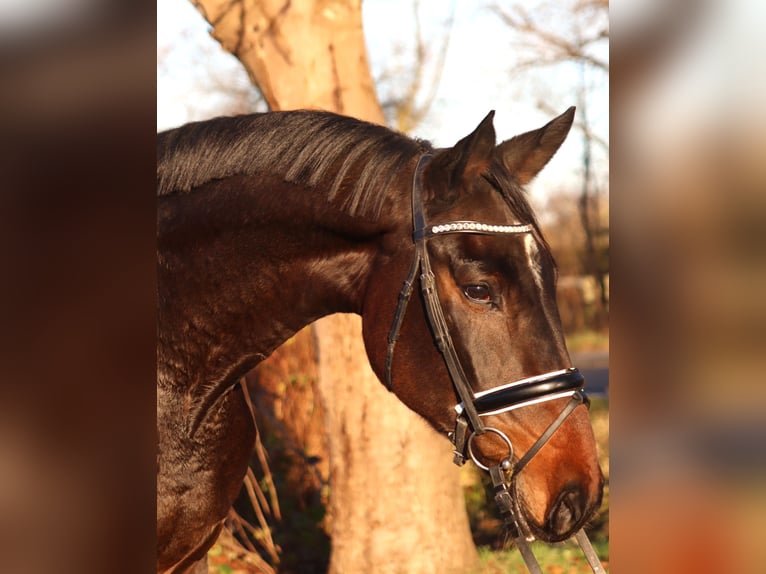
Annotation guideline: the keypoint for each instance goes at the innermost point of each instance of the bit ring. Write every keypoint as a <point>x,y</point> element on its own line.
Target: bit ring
<point>502,436</point>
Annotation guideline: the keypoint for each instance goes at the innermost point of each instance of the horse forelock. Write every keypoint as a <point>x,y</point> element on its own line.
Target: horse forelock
<point>353,161</point>
<point>515,197</point>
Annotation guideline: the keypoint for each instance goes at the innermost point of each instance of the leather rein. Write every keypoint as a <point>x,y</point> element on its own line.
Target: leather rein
<point>562,383</point>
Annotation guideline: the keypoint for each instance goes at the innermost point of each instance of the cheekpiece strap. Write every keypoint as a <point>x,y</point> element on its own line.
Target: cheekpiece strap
<point>433,307</point>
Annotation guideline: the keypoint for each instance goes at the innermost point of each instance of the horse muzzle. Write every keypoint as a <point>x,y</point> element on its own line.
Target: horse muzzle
<point>552,492</point>
<point>575,503</point>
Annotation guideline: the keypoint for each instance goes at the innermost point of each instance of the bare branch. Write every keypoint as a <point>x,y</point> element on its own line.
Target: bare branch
<point>537,38</point>
<point>575,38</point>
<point>409,106</point>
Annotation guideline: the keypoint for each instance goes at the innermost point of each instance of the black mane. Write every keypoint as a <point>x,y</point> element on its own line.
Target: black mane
<point>351,158</point>
<point>305,147</point>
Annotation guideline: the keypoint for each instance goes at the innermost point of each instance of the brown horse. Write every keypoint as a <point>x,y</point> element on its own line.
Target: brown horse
<point>253,209</point>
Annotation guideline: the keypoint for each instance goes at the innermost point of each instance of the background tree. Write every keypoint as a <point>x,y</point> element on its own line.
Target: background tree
<point>396,503</point>
<point>573,37</point>
<point>226,88</point>
<point>408,84</point>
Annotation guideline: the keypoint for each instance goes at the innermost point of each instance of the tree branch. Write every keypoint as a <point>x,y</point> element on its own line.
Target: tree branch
<point>564,49</point>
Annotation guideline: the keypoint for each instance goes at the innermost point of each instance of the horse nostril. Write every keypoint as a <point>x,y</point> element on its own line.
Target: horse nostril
<point>565,514</point>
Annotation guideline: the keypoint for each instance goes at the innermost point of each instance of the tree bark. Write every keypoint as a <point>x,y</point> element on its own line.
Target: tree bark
<point>308,54</point>
<point>396,504</point>
<point>289,414</point>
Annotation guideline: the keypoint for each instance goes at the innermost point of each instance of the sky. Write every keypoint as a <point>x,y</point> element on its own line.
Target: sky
<point>475,77</point>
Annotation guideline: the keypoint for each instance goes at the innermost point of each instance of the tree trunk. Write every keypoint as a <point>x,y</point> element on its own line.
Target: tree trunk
<point>289,413</point>
<point>587,204</point>
<point>308,54</point>
<point>396,503</point>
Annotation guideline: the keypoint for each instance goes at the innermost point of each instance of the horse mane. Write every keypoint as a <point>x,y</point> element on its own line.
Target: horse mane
<point>351,158</point>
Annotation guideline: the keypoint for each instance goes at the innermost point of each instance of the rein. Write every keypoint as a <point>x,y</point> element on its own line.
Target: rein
<point>503,398</point>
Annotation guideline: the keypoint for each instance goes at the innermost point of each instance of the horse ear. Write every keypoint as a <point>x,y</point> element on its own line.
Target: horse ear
<point>466,160</point>
<point>526,154</point>
<point>474,151</point>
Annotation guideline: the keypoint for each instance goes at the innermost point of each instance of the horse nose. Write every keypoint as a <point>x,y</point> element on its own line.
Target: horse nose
<point>566,512</point>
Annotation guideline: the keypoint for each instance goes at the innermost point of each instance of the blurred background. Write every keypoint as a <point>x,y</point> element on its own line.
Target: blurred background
<point>683,199</point>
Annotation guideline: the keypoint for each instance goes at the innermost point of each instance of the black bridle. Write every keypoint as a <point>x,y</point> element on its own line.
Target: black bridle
<point>553,385</point>
<point>563,383</point>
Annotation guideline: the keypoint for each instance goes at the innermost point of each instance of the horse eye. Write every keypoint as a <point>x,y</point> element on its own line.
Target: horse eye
<point>478,293</point>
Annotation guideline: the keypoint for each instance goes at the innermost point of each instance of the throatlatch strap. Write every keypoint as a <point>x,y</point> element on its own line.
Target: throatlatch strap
<point>401,309</point>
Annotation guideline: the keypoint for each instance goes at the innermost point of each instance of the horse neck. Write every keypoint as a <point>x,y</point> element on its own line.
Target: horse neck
<point>243,265</point>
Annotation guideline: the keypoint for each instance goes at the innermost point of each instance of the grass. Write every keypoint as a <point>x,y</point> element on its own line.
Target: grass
<point>565,558</point>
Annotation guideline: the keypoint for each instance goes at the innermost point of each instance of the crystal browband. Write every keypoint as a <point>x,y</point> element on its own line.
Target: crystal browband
<point>470,227</point>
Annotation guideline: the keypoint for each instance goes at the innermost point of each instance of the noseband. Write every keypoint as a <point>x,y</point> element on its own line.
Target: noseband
<point>549,386</point>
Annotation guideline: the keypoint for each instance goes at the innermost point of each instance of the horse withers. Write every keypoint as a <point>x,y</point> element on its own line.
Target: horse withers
<point>437,249</point>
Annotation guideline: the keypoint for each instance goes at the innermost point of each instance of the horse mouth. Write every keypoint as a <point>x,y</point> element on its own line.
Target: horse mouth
<point>566,515</point>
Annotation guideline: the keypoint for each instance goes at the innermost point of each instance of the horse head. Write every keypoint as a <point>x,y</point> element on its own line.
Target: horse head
<point>494,285</point>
